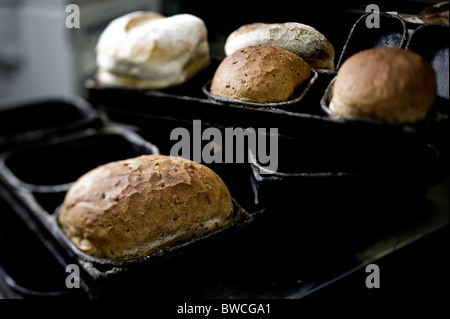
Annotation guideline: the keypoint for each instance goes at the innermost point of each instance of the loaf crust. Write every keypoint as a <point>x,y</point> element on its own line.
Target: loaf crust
<point>260,74</point>
<point>436,14</point>
<point>131,208</point>
<point>387,84</point>
<point>303,40</point>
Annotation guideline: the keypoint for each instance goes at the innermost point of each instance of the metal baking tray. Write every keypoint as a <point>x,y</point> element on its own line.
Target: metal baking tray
<point>37,188</point>
<point>295,246</point>
<point>191,101</point>
<point>345,174</point>
<point>109,277</point>
<point>294,260</point>
<point>58,162</point>
<point>391,33</point>
<point>430,41</point>
<point>31,120</point>
<point>20,249</point>
<point>423,127</point>
<point>293,104</point>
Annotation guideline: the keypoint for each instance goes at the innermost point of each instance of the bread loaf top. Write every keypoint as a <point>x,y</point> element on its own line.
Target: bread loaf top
<point>303,40</point>
<point>148,50</point>
<point>437,14</point>
<point>260,74</point>
<point>387,84</point>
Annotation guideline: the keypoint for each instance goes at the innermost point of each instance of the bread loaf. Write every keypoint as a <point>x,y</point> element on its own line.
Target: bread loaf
<point>437,14</point>
<point>260,74</point>
<point>301,39</point>
<point>387,84</point>
<point>130,208</point>
<point>146,50</point>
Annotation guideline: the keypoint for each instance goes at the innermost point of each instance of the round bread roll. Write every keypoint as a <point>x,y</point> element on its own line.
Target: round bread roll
<point>437,14</point>
<point>130,208</point>
<point>386,84</point>
<point>146,50</point>
<point>301,39</point>
<point>260,74</point>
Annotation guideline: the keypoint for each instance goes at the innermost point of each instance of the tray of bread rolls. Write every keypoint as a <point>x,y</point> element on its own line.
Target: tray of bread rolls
<point>259,83</point>
<point>100,190</point>
<point>245,88</point>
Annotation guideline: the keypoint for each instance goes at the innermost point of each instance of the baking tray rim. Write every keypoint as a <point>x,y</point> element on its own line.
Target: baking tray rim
<point>241,219</point>
<point>37,134</point>
<point>343,57</point>
<point>410,127</point>
<point>7,174</point>
<point>300,93</point>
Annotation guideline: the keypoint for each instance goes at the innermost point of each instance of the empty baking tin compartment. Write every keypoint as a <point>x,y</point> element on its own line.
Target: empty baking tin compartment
<point>428,41</point>
<point>391,33</point>
<point>343,171</point>
<point>55,164</point>
<point>21,248</point>
<point>49,201</point>
<point>26,121</point>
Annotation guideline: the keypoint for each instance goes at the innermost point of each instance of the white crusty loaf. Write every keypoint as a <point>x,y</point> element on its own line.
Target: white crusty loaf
<point>301,39</point>
<point>147,50</point>
<point>130,208</point>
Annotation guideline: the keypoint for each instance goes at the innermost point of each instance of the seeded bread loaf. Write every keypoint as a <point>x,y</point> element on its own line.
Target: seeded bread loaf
<point>130,208</point>
<point>260,74</point>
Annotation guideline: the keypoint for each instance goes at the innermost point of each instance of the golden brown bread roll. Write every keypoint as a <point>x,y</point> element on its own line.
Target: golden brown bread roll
<point>130,208</point>
<point>301,39</point>
<point>387,84</point>
<point>147,50</point>
<point>260,74</point>
<point>437,14</point>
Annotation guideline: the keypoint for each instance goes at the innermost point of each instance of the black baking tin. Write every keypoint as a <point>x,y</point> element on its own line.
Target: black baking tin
<point>420,128</point>
<point>43,171</point>
<point>175,262</point>
<point>58,162</point>
<point>189,102</point>
<point>345,174</point>
<point>192,101</point>
<point>32,120</point>
<point>297,98</point>
<point>240,218</point>
<point>19,246</point>
<point>37,188</point>
<point>391,33</point>
<point>430,41</point>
